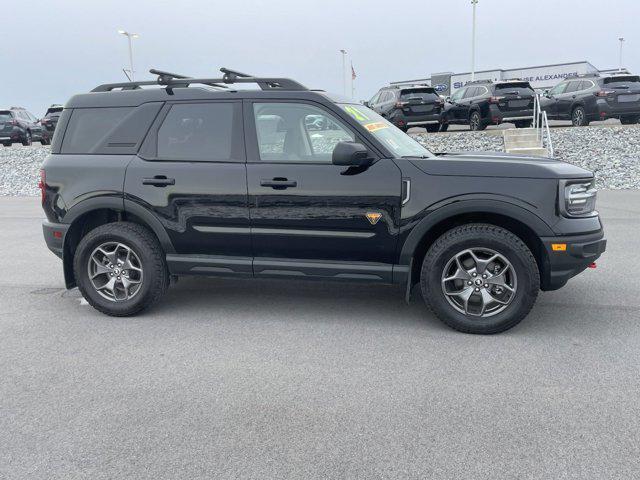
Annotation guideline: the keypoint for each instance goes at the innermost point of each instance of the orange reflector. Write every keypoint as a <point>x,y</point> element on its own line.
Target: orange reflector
<point>559,247</point>
<point>592,265</point>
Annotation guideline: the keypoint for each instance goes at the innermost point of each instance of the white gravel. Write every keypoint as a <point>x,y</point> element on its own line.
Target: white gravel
<point>611,151</point>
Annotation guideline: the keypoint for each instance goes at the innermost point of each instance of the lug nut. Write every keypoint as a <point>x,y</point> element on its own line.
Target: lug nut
<point>469,282</point>
<point>477,289</point>
<point>474,274</point>
<point>484,275</point>
<point>486,285</point>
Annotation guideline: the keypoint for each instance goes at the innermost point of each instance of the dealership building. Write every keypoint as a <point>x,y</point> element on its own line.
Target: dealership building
<point>541,77</point>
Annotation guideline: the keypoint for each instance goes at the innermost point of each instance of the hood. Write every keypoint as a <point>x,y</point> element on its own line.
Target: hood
<point>496,164</point>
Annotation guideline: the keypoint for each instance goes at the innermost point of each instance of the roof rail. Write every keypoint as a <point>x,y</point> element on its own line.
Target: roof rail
<point>169,80</point>
<point>475,82</point>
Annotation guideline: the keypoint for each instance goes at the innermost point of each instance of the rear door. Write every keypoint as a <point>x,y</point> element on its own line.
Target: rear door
<point>308,216</point>
<point>550,102</point>
<point>6,125</point>
<point>191,175</point>
<point>456,107</point>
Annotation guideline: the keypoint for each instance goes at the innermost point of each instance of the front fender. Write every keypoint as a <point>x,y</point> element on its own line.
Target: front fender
<point>460,206</point>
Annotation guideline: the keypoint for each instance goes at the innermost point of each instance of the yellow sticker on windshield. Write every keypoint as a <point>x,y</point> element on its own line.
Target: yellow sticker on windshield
<point>355,113</point>
<point>372,127</point>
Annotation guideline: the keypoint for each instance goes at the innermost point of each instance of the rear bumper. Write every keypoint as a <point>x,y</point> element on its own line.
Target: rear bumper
<point>402,120</point>
<point>54,234</point>
<point>580,252</point>
<point>606,110</point>
<point>499,116</point>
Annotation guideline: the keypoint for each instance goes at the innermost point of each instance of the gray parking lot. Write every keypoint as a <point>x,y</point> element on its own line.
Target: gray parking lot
<point>255,379</point>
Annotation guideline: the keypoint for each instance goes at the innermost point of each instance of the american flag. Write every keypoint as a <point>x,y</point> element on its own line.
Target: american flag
<point>353,73</point>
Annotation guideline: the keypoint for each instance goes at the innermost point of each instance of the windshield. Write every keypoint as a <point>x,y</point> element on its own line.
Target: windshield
<point>396,141</point>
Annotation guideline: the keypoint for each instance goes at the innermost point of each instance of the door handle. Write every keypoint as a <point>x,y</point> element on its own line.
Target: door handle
<point>159,181</point>
<point>278,183</point>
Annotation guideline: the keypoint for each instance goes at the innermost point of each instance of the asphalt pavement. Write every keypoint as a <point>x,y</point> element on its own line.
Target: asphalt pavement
<point>283,379</point>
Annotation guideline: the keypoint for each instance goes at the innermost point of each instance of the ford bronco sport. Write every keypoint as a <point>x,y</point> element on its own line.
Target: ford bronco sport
<point>195,177</point>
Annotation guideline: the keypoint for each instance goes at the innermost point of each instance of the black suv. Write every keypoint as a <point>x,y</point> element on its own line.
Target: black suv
<point>51,117</point>
<point>483,103</point>
<point>589,98</point>
<point>406,107</point>
<point>19,126</point>
<point>198,178</point>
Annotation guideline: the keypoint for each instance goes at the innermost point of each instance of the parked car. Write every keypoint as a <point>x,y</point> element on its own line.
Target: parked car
<point>147,184</point>
<point>589,98</point>
<point>482,103</point>
<point>17,125</point>
<point>50,119</point>
<point>406,107</point>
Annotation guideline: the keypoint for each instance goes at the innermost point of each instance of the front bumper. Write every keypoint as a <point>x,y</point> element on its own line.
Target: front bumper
<point>579,252</point>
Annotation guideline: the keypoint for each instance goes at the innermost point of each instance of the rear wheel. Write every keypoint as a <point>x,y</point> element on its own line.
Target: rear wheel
<point>432,128</point>
<point>7,144</point>
<point>579,117</point>
<point>629,120</point>
<point>480,278</point>
<point>28,139</point>
<point>120,269</point>
<point>444,126</point>
<point>475,121</point>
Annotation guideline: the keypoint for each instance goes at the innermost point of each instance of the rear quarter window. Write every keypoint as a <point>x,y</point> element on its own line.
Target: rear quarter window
<point>88,127</point>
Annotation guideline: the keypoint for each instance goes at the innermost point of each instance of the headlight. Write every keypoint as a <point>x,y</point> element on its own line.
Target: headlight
<point>578,198</point>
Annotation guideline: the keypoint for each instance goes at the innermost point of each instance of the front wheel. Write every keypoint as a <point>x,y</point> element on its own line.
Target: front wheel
<point>480,278</point>
<point>579,117</point>
<point>120,269</point>
<point>475,122</point>
<point>28,139</point>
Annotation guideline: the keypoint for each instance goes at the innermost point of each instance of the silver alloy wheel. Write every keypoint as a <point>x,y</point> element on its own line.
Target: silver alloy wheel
<point>479,282</point>
<point>578,117</point>
<point>115,271</point>
<point>474,123</point>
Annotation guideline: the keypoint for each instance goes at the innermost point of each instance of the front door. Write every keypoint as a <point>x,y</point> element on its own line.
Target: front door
<point>308,216</point>
<point>191,175</point>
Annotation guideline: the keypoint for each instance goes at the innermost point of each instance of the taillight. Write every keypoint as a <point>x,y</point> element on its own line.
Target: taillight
<point>42,185</point>
<point>495,99</point>
<point>603,93</point>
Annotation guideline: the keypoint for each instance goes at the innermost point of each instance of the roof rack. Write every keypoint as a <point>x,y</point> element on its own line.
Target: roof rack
<point>476,82</point>
<point>230,77</point>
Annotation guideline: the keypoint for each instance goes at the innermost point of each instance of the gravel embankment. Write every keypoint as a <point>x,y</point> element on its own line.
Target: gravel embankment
<point>613,152</point>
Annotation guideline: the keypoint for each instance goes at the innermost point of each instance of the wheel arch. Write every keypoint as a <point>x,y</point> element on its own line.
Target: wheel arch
<point>95,212</point>
<point>521,222</point>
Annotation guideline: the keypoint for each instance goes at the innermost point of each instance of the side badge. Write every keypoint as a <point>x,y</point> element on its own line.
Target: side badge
<point>373,217</point>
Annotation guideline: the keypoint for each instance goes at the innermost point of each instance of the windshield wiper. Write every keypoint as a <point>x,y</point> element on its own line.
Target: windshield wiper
<point>415,156</point>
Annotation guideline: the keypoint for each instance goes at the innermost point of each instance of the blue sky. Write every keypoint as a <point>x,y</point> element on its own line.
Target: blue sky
<point>53,49</point>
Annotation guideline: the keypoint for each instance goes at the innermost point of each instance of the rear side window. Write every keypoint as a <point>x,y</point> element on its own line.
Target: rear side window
<point>89,127</point>
<point>5,117</point>
<point>198,132</point>
<point>573,86</point>
<point>423,94</point>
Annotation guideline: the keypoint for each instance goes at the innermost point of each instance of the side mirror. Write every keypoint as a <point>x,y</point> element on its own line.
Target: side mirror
<point>350,154</point>
<point>546,93</point>
<point>365,103</point>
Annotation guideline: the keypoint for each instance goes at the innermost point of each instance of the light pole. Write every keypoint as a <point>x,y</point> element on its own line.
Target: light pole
<point>130,36</point>
<point>344,73</point>
<point>473,41</point>
<point>621,40</point>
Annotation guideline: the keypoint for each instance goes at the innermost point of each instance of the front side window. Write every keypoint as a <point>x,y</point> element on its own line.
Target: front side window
<point>197,132</point>
<point>395,140</point>
<point>297,132</point>
<point>558,89</point>
<point>458,94</point>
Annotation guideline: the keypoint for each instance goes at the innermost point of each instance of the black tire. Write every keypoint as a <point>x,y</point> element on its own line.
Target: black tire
<point>7,144</point>
<point>444,127</point>
<point>28,139</point>
<point>480,236</point>
<point>145,245</point>
<point>629,120</point>
<point>579,117</point>
<point>524,123</point>
<point>475,121</point>
<point>432,128</point>
<point>45,141</point>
